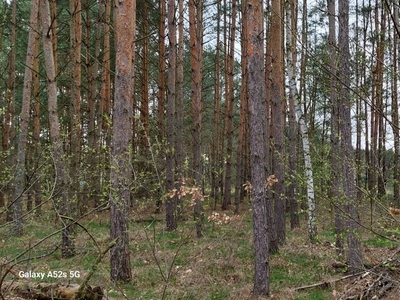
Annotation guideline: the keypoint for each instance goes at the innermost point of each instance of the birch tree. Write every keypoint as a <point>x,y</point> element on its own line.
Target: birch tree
<point>291,63</point>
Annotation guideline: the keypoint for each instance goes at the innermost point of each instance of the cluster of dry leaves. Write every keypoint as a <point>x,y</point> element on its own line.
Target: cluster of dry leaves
<point>187,188</point>
<point>222,218</point>
<point>269,182</point>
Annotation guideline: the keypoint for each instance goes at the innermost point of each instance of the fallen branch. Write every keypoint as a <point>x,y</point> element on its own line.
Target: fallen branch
<point>82,291</point>
<point>326,284</point>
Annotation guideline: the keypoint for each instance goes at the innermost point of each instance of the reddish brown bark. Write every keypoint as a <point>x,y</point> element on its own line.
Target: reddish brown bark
<point>161,80</point>
<point>121,172</point>
<point>170,202</point>
<point>144,126</point>
<point>278,117</point>
<point>229,106</point>
<point>196,49</point>
<point>161,73</point>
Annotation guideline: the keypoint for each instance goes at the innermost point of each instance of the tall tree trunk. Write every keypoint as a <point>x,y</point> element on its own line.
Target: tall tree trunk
<point>144,126</point>
<point>395,110</point>
<point>380,106</point>
<point>92,73</point>
<point>24,119</point>
<point>103,114</point>
<point>196,49</point>
<point>277,118</point>
<point>161,81</point>
<point>291,57</point>
<point>10,116</point>
<point>75,110</point>
<point>170,202</point>
<point>243,120</point>
<point>3,125</point>
<point>312,229</point>
<point>36,128</point>
<point>359,107</point>
<point>336,150</point>
<point>63,205</point>
<point>271,219</point>
<point>121,171</point>
<point>161,73</point>
<point>349,189</point>
<point>367,128</point>
<point>229,107</point>
<point>258,154</point>
<point>180,107</point>
<point>216,149</point>
<point>373,171</point>
<point>53,28</point>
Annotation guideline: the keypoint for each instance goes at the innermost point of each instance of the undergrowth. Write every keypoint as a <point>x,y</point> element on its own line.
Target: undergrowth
<point>178,265</point>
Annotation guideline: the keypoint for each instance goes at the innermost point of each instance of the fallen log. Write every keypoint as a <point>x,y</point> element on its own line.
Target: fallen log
<point>50,291</point>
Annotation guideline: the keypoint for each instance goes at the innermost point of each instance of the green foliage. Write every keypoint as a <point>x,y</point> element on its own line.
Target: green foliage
<point>315,295</point>
<point>381,242</point>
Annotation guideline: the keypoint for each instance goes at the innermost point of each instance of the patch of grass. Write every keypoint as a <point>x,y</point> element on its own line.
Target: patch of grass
<point>380,242</point>
<point>295,269</point>
<point>315,295</point>
<point>217,266</point>
<point>329,234</point>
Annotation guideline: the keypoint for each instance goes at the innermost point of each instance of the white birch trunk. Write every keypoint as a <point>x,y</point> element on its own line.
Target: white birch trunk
<point>312,229</point>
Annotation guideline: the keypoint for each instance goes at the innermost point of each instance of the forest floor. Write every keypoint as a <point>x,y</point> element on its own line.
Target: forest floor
<point>178,265</point>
